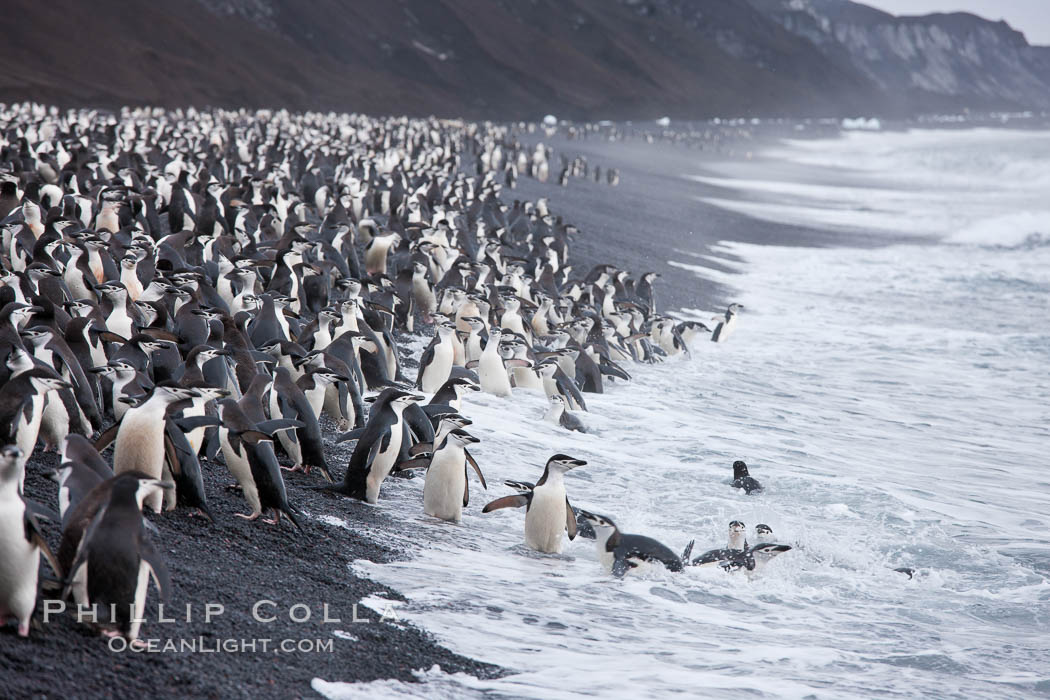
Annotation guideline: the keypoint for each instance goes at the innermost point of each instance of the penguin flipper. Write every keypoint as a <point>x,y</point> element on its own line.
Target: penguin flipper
<point>474,463</point>
<point>171,456</point>
<point>420,448</point>
<point>269,427</point>
<point>687,552</point>
<point>36,538</point>
<point>466,487</point>
<point>193,422</point>
<point>515,501</point>
<point>157,568</point>
<point>352,435</point>
<point>418,463</point>
<point>82,550</point>
<point>570,520</point>
<point>106,438</point>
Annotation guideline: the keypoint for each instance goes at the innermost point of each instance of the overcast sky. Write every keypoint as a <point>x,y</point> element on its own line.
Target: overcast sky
<point>1029,16</point>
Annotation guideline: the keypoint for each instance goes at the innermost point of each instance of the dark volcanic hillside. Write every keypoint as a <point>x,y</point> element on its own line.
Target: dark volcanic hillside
<point>503,59</point>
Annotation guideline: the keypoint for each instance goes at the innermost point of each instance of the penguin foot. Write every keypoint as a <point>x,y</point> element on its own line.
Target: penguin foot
<point>253,516</point>
<point>23,629</point>
<point>137,644</point>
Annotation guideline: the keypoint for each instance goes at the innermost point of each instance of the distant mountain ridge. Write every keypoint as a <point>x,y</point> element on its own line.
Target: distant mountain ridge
<point>938,58</point>
<point>519,59</point>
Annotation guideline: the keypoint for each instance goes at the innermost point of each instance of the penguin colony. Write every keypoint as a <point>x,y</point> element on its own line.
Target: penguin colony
<point>202,289</point>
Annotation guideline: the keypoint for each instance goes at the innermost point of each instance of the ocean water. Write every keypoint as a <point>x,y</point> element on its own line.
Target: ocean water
<point>895,403</point>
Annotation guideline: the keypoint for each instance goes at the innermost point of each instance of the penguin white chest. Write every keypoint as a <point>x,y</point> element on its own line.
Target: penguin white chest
<point>238,464</point>
<point>384,462</point>
<point>19,561</point>
<point>437,372</point>
<point>493,374</point>
<point>545,519</point>
<point>443,490</point>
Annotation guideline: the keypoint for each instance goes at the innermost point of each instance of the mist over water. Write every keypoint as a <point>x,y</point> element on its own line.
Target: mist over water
<point>895,403</point>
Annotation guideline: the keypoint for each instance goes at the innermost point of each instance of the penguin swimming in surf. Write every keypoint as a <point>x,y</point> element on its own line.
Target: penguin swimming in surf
<point>735,546</point>
<point>621,553</point>
<point>743,480</point>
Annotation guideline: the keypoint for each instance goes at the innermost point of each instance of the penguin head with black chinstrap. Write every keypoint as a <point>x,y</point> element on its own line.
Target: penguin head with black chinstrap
<point>564,463</point>
<point>598,522</point>
<point>461,438</point>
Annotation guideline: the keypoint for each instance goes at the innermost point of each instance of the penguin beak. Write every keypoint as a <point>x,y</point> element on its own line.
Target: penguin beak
<point>781,548</point>
<point>572,464</point>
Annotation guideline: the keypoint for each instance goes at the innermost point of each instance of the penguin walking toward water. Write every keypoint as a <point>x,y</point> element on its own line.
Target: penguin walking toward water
<point>21,544</point>
<point>378,447</point>
<point>447,490</point>
<point>248,449</point>
<point>491,370</point>
<point>726,326</point>
<point>548,513</point>
<point>115,559</point>
<point>435,366</point>
<point>743,480</point>
<point>620,553</point>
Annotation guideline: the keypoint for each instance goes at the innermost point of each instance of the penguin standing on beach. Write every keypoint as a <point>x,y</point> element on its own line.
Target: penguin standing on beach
<point>22,401</point>
<point>115,559</point>
<point>21,544</point>
<point>139,444</point>
<point>548,513</point>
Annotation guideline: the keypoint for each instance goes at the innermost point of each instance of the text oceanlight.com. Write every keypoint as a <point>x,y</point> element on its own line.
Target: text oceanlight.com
<point>202,645</point>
